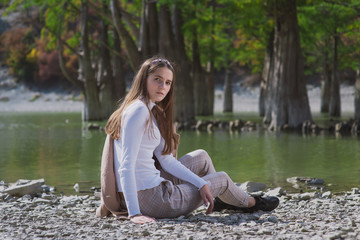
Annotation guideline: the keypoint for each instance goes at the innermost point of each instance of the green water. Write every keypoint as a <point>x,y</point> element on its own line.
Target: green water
<point>56,147</point>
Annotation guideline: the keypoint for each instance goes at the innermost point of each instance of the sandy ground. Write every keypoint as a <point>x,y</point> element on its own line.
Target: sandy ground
<point>18,98</point>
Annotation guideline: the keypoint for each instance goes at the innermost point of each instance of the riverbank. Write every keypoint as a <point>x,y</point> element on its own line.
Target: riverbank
<point>19,98</point>
<point>316,215</point>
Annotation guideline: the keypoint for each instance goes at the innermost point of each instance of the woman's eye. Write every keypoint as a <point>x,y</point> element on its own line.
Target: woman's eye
<point>168,83</point>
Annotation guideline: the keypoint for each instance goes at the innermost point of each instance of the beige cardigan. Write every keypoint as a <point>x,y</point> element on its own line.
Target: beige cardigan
<point>110,197</point>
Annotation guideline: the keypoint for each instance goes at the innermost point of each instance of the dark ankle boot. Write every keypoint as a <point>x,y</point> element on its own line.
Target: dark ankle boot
<point>261,203</point>
<point>264,203</point>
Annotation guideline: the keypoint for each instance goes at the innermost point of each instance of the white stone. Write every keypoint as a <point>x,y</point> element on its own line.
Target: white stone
<point>23,187</point>
<point>252,186</point>
<point>327,194</point>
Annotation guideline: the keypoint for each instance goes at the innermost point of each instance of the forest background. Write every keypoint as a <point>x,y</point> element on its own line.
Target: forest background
<point>97,45</point>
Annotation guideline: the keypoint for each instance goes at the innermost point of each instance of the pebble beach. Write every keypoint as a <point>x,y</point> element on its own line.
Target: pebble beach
<point>311,215</point>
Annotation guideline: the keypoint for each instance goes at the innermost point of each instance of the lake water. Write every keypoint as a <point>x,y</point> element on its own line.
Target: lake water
<point>58,148</point>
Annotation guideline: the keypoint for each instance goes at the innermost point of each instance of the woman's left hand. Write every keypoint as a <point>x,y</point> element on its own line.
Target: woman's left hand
<point>141,219</point>
<point>207,198</point>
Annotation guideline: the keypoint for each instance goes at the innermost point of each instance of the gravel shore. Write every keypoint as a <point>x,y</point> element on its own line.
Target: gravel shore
<point>299,216</point>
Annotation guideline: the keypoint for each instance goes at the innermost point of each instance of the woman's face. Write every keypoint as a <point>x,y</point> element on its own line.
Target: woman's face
<point>159,83</point>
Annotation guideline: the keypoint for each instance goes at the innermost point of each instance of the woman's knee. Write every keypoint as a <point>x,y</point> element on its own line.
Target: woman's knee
<point>221,178</point>
<point>222,174</point>
<point>201,153</point>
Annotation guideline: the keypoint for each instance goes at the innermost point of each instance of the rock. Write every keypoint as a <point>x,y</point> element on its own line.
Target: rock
<point>2,196</point>
<point>252,186</point>
<point>77,187</point>
<point>355,128</point>
<point>4,99</point>
<point>93,126</point>
<point>276,192</point>
<point>23,187</point>
<point>305,180</point>
<point>42,201</point>
<point>200,125</point>
<point>343,127</point>
<point>273,219</point>
<point>97,195</point>
<point>210,127</point>
<point>355,191</point>
<point>327,194</point>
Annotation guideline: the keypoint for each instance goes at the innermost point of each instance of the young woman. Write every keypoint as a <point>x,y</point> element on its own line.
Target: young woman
<point>141,128</point>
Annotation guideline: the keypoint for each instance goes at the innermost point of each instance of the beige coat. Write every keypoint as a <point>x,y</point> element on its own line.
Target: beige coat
<point>110,197</point>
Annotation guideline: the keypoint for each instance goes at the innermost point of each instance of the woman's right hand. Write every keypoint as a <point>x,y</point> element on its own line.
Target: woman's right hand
<point>141,219</point>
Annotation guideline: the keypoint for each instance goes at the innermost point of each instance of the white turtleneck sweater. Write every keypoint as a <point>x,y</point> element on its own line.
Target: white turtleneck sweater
<point>133,152</point>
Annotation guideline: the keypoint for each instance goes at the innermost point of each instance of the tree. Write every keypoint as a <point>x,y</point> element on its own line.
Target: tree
<point>228,99</point>
<point>327,28</point>
<point>287,102</point>
<point>170,44</point>
<point>245,27</point>
<point>357,95</point>
<point>69,28</point>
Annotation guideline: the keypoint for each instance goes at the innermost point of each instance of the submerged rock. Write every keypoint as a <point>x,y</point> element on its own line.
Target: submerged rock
<point>305,180</point>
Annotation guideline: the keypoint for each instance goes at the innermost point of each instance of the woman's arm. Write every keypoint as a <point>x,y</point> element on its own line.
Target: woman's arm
<point>133,128</point>
<point>174,167</point>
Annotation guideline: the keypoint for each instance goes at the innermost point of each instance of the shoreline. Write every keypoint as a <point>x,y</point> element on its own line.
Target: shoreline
<point>19,98</point>
<point>313,215</point>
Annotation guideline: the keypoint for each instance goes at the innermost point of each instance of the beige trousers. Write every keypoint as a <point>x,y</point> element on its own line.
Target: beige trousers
<point>175,197</point>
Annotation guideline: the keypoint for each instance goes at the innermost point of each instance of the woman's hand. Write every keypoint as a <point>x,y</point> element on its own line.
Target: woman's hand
<point>207,198</point>
<point>141,219</point>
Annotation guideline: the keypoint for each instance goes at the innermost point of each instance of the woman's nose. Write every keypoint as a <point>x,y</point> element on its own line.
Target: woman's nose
<point>161,84</point>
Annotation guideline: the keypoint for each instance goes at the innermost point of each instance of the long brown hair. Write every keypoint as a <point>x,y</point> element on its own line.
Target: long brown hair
<point>162,111</point>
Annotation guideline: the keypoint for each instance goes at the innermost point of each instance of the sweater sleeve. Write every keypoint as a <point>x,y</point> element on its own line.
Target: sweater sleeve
<point>133,127</point>
<point>174,167</point>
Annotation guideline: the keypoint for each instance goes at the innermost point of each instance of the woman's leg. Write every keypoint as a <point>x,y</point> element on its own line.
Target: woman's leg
<point>223,187</point>
<point>198,161</point>
<point>170,200</point>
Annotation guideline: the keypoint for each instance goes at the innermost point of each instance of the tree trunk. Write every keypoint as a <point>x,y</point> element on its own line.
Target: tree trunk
<point>210,76</point>
<point>228,92</point>
<point>119,89</point>
<point>335,105</point>
<point>148,44</point>
<point>325,87</point>
<point>153,26</point>
<point>287,95</point>
<point>130,46</point>
<point>144,31</point>
<point>166,40</point>
<point>357,95</point>
<point>104,74</point>
<point>210,83</point>
<point>92,109</point>
<point>184,98</point>
<point>200,87</point>
<point>266,73</point>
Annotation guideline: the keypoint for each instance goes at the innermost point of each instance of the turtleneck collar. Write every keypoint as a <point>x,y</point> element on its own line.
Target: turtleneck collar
<point>151,105</point>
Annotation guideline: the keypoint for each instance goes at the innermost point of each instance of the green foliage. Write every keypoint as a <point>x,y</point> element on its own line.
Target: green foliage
<point>319,22</point>
<point>18,45</point>
<point>228,31</point>
<point>231,32</point>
